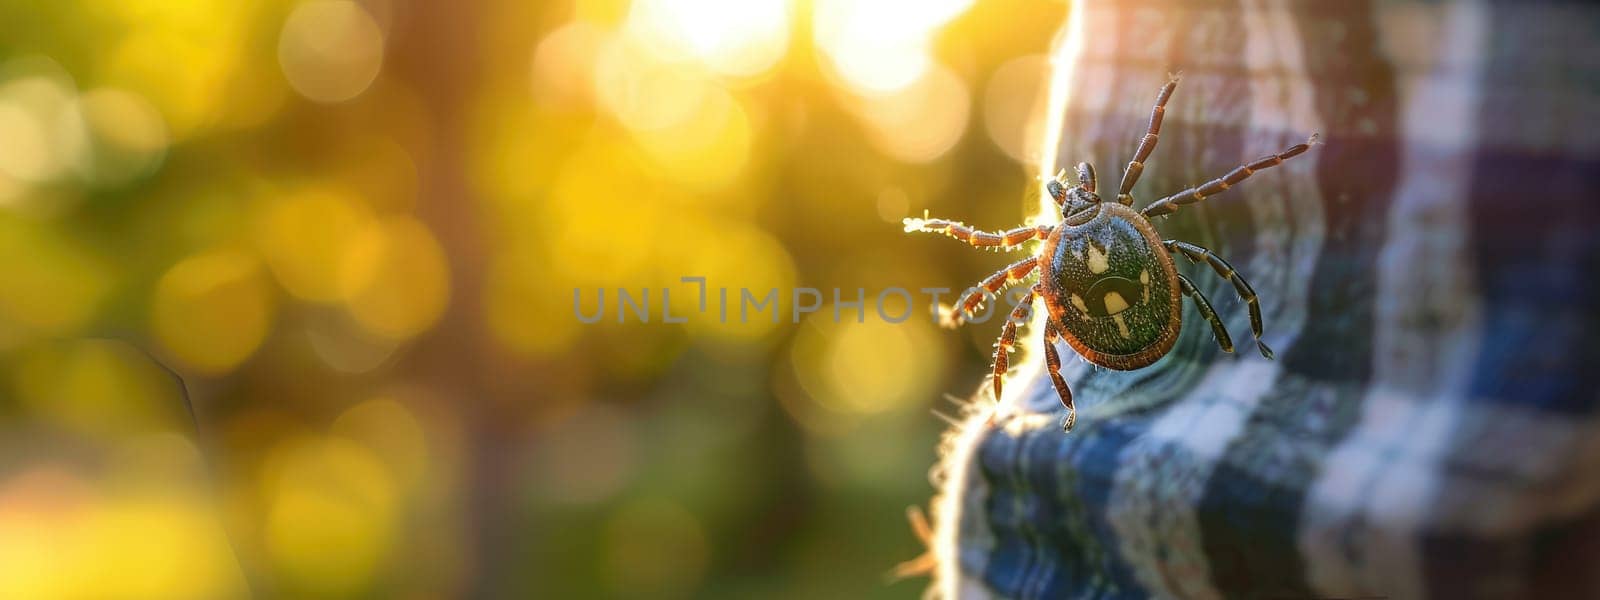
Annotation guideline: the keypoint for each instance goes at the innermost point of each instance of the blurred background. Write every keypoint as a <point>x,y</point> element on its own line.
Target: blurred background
<point>352,231</point>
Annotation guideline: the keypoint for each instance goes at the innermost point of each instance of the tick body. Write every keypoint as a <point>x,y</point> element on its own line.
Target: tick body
<point>1108,280</point>
<point>1112,290</point>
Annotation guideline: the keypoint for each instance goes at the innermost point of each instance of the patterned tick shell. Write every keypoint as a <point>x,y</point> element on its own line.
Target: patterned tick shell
<point>1114,294</point>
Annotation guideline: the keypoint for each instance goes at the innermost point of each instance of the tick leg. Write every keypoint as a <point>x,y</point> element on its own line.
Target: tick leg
<point>1223,339</point>
<point>1171,204</point>
<point>1005,240</point>
<point>1147,144</point>
<point>1086,176</point>
<point>1058,192</point>
<point>1052,362</point>
<point>1008,336</point>
<point>991,285</point>
<point>1226,271</point>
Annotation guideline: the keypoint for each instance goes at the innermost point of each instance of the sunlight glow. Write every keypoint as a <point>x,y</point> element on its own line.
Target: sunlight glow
<point>1009,102</point>
<point>881,47</point>
<point>642,92</point>
<point>920,121</point>
<point>738,38</point>
<point>1066,49</point>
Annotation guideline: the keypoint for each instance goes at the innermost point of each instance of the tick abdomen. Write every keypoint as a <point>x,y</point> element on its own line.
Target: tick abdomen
<point>1112,295</point>
<point>1116,288</point>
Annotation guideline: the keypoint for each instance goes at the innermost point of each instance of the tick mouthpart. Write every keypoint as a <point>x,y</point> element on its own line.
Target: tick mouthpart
<point>1079,214</point>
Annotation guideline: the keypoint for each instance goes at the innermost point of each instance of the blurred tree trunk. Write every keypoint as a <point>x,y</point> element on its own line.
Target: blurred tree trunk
<point>434,50</point>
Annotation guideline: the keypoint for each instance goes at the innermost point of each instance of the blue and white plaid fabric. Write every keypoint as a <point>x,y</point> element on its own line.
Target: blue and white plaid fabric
<point>1431,282</point>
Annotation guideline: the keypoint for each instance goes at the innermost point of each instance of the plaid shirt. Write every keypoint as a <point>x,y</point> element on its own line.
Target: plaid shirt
<point>1429,280</point>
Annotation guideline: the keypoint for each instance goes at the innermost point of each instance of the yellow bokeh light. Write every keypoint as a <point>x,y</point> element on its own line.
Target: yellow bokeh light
<point>683,117</point>
<point>304,235</point>
<point>606,12</point>
<point>197,18</point>
<point>870,70</point>
<point>344,345</point>
<point>865,368</point>
<point>883,46</point>
<point>564,62</point>
<point>743,257</point>
<point>213,310</point>
<point>513,157</point>
<point>708,147</point>
<point>62,536</point>
<point>11,191</point>
<point>25,156</point>
<point>879,56</point>
<point>160,548</point>
<point>394,279</point>
<point>331,510</point>
<point>739,38</point>
<point>42,514</point>
<point>601,244</point>
<point>645,93</point>
<point>281,200</point>
<point>1008,105</point>
<point>921,121</point>
<point>99,387</point>
<point>35,123</point>
<point>390,431</point>
<point>255,96</point>
<point>51,285</point>
<point>330,50</point>
<point>127,136</point>
<point>210,77</point>
<point>181,75</point>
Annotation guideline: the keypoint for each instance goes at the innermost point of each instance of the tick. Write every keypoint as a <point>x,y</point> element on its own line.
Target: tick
<point>1108,279</point>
